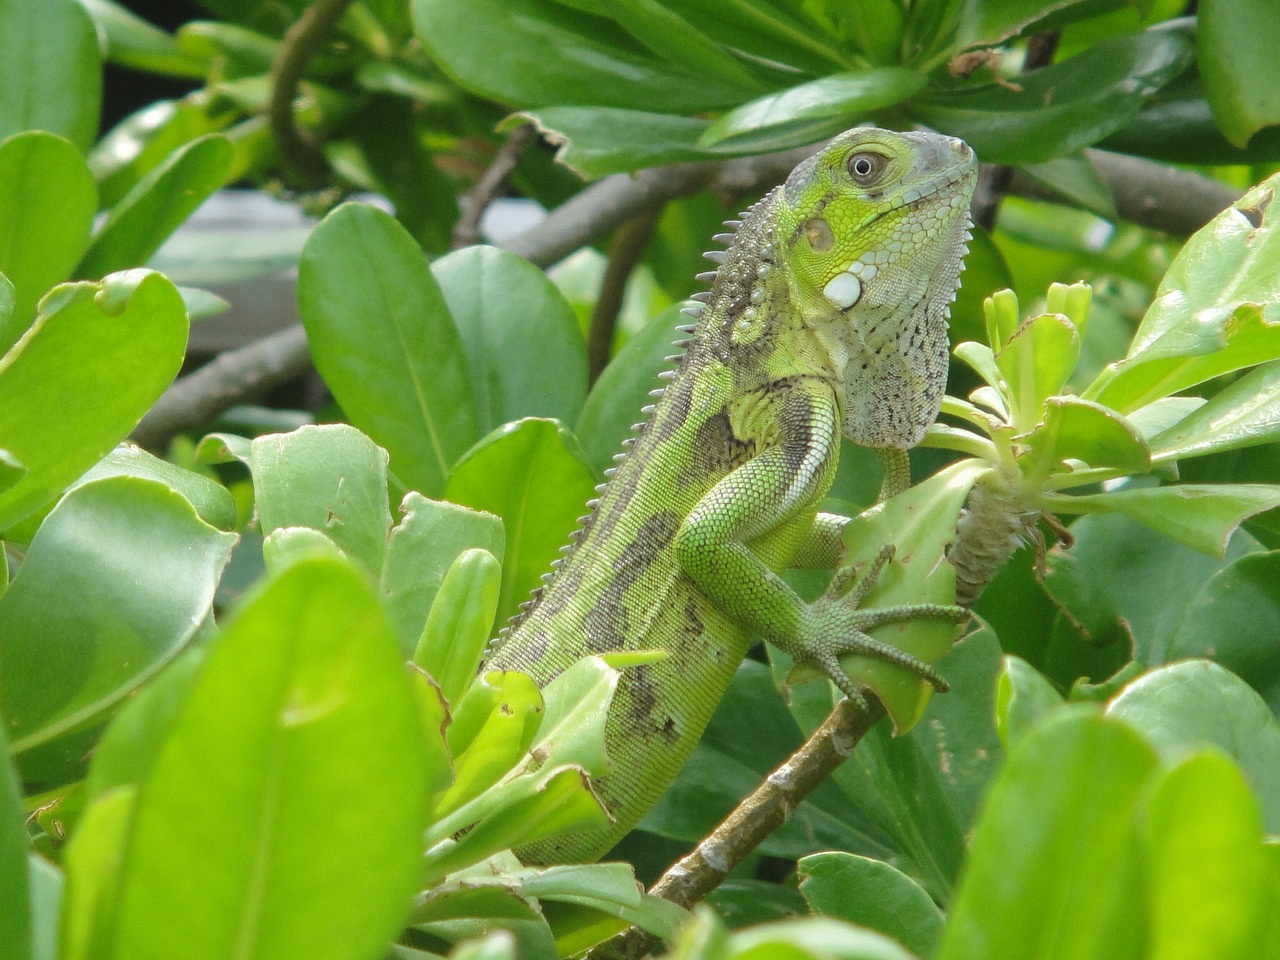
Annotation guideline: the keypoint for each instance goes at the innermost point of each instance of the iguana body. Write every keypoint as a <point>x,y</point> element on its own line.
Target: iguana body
<point>827,314</point>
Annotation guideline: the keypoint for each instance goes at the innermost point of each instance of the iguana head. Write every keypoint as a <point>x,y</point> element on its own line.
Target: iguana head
<point>873,230</point>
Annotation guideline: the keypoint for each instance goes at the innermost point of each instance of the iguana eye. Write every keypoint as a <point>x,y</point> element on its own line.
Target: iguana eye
<point>866,167</point>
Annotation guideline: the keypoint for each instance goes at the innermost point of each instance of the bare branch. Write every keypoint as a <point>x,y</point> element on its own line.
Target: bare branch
<point>689,880</point>
<point>624,253</point>
<point>473,204</point>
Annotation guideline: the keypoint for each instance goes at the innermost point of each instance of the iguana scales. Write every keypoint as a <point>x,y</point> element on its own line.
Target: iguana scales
<point>827,315</point>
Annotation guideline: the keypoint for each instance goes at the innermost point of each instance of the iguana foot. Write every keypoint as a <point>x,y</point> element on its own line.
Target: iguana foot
<point>837,627</point>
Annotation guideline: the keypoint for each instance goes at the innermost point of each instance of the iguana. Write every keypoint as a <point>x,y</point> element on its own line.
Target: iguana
<point>827,314</point>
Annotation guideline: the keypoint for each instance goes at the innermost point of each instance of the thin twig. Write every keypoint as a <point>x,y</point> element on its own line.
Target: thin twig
<point>624,253</point>
<point>475,201</point>
<point>300,153</point>
<point>769,806</point>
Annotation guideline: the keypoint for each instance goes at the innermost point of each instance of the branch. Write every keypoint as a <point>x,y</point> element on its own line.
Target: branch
<point>624,253</point>
<point>298,151</point>
<point>230,378</point>
<point>474,203</point>
<point>755,818</point>
<point>1147,193</point>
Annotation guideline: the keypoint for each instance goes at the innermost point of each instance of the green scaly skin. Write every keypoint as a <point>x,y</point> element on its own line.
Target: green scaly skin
<point>827,315</point>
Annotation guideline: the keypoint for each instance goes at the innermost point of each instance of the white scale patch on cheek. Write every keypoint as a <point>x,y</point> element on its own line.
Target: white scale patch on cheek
<point>845,288</point>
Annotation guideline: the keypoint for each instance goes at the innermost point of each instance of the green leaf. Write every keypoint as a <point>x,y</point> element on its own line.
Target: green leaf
<point>1208,874</point>
<point>252,835</point>
<point>158,203</point>
<point>1024,696</point>
<point>806,937</point>
<point>502,304</point>
<point>527,54</point>
<point>622,390</point>
<point>15,918</point>
<point>93,864</point>
<point>142,568</point>
<point>673,38</point>
<point>561,803</point>
<point>213,501</point>
<point>1235,43</point>
<point>1036,361</point>
<point>839,101</point>
<point>103,350</point>
<point>1203,516</point>
<point>1169,706</point>
<point>1216,310</point>
<point>1059,815</point>
<point>421,548</point>
<point>1234,619</point>
<point>46,907</point>
<point>460,622</point>
<point>920,523</point>
<point>47,201</point>
<point>871,893</point>
<point>1075,179</point>
<point>1075,429</point>
<point>597,141</point>
<point>50,75</point>
<point>529,474</point>
<point>330,478</point>
<point>1060,109</point>
<point>384,341</point>
<point>1245,413</point>
<point>135,43</point>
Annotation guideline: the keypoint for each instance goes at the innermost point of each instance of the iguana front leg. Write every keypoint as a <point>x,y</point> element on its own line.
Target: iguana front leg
<point>774,496</point>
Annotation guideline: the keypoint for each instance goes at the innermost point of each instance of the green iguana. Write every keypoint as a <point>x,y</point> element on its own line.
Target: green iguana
<point>827,315</point>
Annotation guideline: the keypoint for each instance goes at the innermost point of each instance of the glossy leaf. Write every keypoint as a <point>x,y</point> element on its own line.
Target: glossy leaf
<point>330,478</point>
<point>529,474</point>
<point>143,569</point>
<point>135,43</point>
<point>1235,42</point>
<point>47,202</point>
<point>252,832</point>
<point>813,937</point>
<point>1036,361</point>
<point>920,522</point>
<point>527,54</point>
<point>1022,699</point>
<point>50,75</point>
<point>1081,430</point>
<point>15,918</point>
<point>874,894</point>
<point>103,351</point>
<point>1234,619</point>
<point>1061,108</point>
<point>1207,868</point>
<point>156,206</point>
<point>841,100</point>
<point>93,862</point>
<point>673,38</point>
<point>1216,310</point>
<point>1244,413</point>
<point>383,340</point>
<point>1168,706</point>
<point>212,501</point>
<point>597,141</point>
<point>421,548</point>
<point>1203,516</point>
<point>460,623</point>
<point>503,306</point>
<point>1066,795</point>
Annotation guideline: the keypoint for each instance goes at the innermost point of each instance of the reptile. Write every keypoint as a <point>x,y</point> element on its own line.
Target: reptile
<point>827,314</point>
